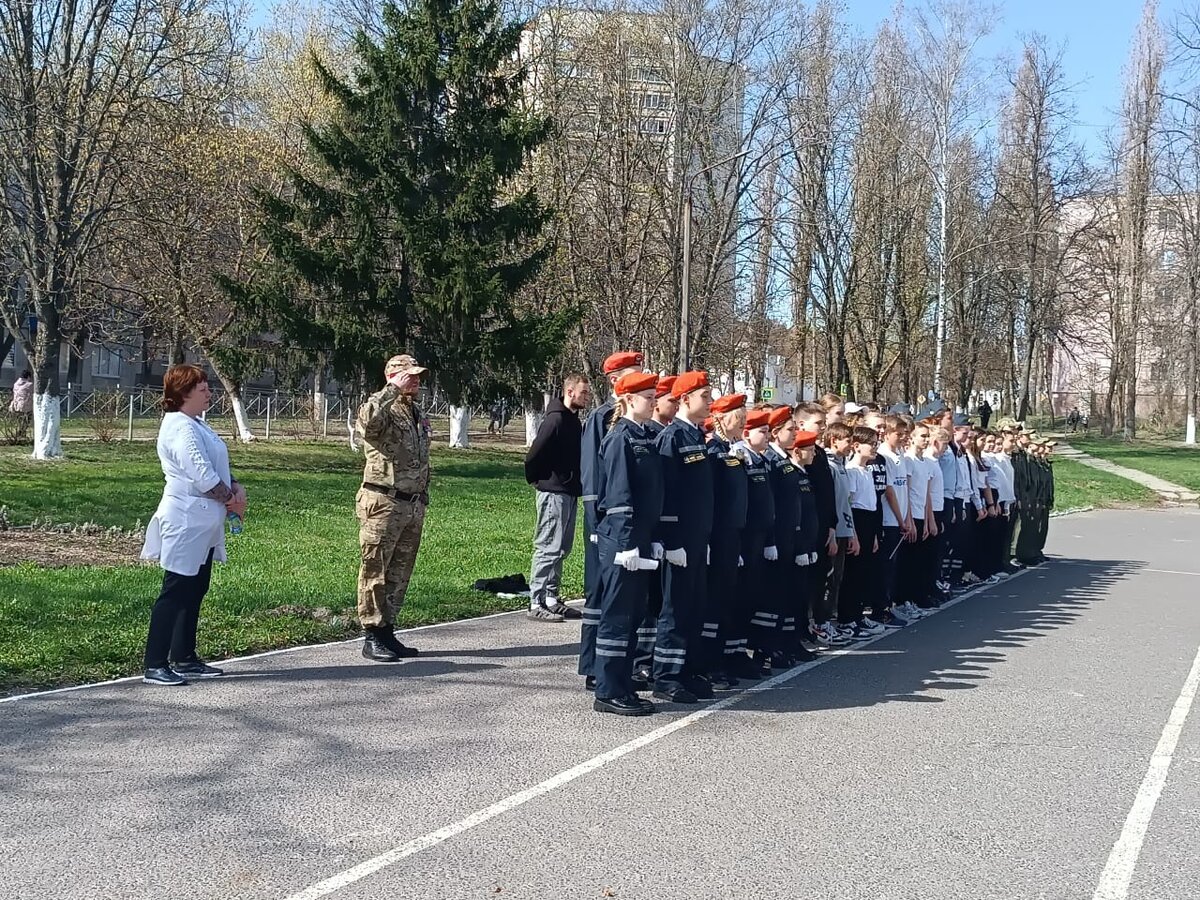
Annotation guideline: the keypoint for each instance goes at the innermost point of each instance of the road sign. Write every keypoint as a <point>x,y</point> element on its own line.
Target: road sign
<point>767,393</point>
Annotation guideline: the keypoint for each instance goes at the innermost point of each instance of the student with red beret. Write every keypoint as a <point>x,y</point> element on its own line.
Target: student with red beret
<point>764,624</point>
<point>629,496</point>
<point>785,585</point>
<point>810,533</point>
<point>597,426</point>
<point>722,634</point>
<point>686,523</point>
<point>665,408</point>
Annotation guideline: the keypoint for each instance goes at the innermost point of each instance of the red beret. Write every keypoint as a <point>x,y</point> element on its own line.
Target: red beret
<point>779,415</point>
<point>728,403</point>
<point>806,438</point>
<point>708,424</point>
<point>623,360</point>
<point>664,386</point>
<point>635,382</point>
<point>757,418</point>
<point>688,382</point>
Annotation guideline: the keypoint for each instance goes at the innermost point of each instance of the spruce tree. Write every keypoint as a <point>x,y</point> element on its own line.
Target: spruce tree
<point>416,232</point>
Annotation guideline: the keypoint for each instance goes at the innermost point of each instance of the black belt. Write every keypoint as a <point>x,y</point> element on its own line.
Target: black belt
<point>397,495</point>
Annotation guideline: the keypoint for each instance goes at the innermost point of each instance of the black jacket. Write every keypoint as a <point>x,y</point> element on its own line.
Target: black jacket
<point>552,463</point>
<point>822,487</point>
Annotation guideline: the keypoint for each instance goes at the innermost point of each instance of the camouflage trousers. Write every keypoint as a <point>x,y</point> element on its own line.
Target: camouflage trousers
<point>389,535</point>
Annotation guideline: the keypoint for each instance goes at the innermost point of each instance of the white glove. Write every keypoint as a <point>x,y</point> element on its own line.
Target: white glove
<point>657,550</point>
<point>708,556</point>
<point>593,539</point>
<point>627,559</point>
<point>741,562</point>
<point>812,559</point>
<point>676,557</point>
<point>770,554</point>
<point>802,559</point>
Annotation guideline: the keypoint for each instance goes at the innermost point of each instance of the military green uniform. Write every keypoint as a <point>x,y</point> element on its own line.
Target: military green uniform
<point>1021,487</point>
<point>1047,503</point>
<point>391,503</point>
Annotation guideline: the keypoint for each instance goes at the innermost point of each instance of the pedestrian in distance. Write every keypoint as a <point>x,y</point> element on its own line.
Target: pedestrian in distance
<point>552,467</point>
<point>629,503</point>
<point>22,394</point>
<point>985,414</point>
<point>187,532</point>
<point>395,435</point>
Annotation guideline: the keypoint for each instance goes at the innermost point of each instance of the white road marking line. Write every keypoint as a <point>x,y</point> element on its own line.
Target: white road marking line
<point>237,659</point>
<point>1118,871</point>
<point>370,866</point>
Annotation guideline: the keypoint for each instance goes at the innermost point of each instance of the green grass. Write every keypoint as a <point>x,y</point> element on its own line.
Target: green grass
<point>1175,463</point>
<point>1077,485</point>
<point>299,549</point>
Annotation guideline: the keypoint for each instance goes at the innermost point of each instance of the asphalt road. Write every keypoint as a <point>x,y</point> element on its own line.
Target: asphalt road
<point>993,750</point>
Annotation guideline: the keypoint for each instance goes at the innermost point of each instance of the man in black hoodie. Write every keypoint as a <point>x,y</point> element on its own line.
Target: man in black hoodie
<point>552,466</point>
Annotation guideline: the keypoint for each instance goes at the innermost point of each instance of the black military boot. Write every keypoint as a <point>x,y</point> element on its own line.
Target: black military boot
<point>388,638</point>
<point>374,647</point>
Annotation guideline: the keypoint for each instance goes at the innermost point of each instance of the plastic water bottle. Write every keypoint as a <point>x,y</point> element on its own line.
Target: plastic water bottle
<point>235,523</point>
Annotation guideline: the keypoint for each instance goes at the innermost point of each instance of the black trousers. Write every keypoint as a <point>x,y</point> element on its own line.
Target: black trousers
<point>859,579</point>
<point>175,617</point>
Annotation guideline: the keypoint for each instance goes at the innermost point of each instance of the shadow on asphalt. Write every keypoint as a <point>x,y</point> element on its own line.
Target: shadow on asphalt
<point>953,650</point>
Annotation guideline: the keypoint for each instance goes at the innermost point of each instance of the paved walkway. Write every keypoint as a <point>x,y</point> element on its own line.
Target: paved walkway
<point>991,752</point>
<point>1168,491</point>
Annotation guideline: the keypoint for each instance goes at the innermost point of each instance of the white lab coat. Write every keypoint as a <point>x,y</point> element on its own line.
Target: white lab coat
<point>187,524</point>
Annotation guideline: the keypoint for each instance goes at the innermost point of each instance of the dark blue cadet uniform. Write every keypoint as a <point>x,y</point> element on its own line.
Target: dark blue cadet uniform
<point>721,628</point>
<point>643,659</point>
<point>629,496</point>
<point>784,582</point>
<point>809,536</point>
<point>594,431</point>
<point>764,621</point>
<point>687,518</point>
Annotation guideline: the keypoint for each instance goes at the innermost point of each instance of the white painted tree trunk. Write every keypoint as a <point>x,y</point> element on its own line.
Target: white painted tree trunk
<point>460,422</point>
<point>533,421</point>
<point>1190,437</point>
<point>47,427</point>
<point>239,415</point>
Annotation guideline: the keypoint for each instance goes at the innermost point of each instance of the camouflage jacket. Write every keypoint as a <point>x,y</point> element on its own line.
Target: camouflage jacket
<point>395,435</point>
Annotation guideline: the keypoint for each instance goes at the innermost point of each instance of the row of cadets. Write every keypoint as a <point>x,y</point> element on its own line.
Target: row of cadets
<point>686,525</point>
<point>723,646</point>
<point>629,498</point>
<point>615,366</point>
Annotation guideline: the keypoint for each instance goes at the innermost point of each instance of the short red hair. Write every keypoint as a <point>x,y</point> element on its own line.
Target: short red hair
<point>178,383</point>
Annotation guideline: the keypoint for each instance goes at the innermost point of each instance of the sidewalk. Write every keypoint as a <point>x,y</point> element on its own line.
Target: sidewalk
<point>1169,493</point>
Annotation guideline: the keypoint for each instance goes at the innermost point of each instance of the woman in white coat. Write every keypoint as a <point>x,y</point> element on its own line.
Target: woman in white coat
<point>187,531</point>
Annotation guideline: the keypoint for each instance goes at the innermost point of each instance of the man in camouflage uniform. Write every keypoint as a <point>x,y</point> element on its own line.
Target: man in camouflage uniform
<point>391,503</point>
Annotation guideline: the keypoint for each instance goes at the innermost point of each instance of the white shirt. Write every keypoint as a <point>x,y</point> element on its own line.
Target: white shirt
<point>187,524</point>
<point>936,481</point>
<point>919,477</point>
<point>862,487</point>
<point>897,479</point>
<point>1002,466</point>
<point>979,480</point>
<point>965,490</point>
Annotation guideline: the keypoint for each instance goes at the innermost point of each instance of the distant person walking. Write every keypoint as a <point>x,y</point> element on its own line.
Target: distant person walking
<point>391,503</point>
<point>985,414</point>
<point>22,398</point>
<point>187,531</point>
<point>552,467</point>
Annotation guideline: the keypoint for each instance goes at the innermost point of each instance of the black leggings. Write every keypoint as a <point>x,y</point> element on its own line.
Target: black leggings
<point>176,615</point>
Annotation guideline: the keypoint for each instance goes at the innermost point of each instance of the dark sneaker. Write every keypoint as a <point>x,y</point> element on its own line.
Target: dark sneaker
<point>623,706</point>
<point>387,637</point>
<point>675,693</point>
<point>722,681</point>
<point>375,650</point>
<point>567,612</point>
<point>542,614</point>
<point>197,668</point>
<point>164,676</point>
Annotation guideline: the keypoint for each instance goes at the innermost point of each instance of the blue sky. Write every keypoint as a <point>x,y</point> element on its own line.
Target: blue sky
<point>1096,34</point>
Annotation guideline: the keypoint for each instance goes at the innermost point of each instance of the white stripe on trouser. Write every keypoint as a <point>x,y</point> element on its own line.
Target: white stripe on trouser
<point>708,634</point>
<point>611,642</point>
<point>764,623</point>
<point>668,651</point>
<point>605,651</point>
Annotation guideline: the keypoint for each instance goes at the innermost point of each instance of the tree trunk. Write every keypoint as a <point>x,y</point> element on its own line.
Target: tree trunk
<point>460,422</point>
<point>47,401</point>
<point>6,344</point>
<point>533,421</point>
<point>79,344</point>
<point>234,389</point>
<point>320,385</point>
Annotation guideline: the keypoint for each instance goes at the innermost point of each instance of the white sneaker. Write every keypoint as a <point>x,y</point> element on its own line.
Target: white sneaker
<point>871,627</point>
<point>995,579</point>
<point>911,611</point>
<point>970,578</point>
<point>820,635</point>
<point>1002,575</point>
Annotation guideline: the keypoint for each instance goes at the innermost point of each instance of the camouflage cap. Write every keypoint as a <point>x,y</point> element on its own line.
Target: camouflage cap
<point>403,365</point>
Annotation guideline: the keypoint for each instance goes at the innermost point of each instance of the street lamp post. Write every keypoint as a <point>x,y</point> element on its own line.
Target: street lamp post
<point>686,276</point>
